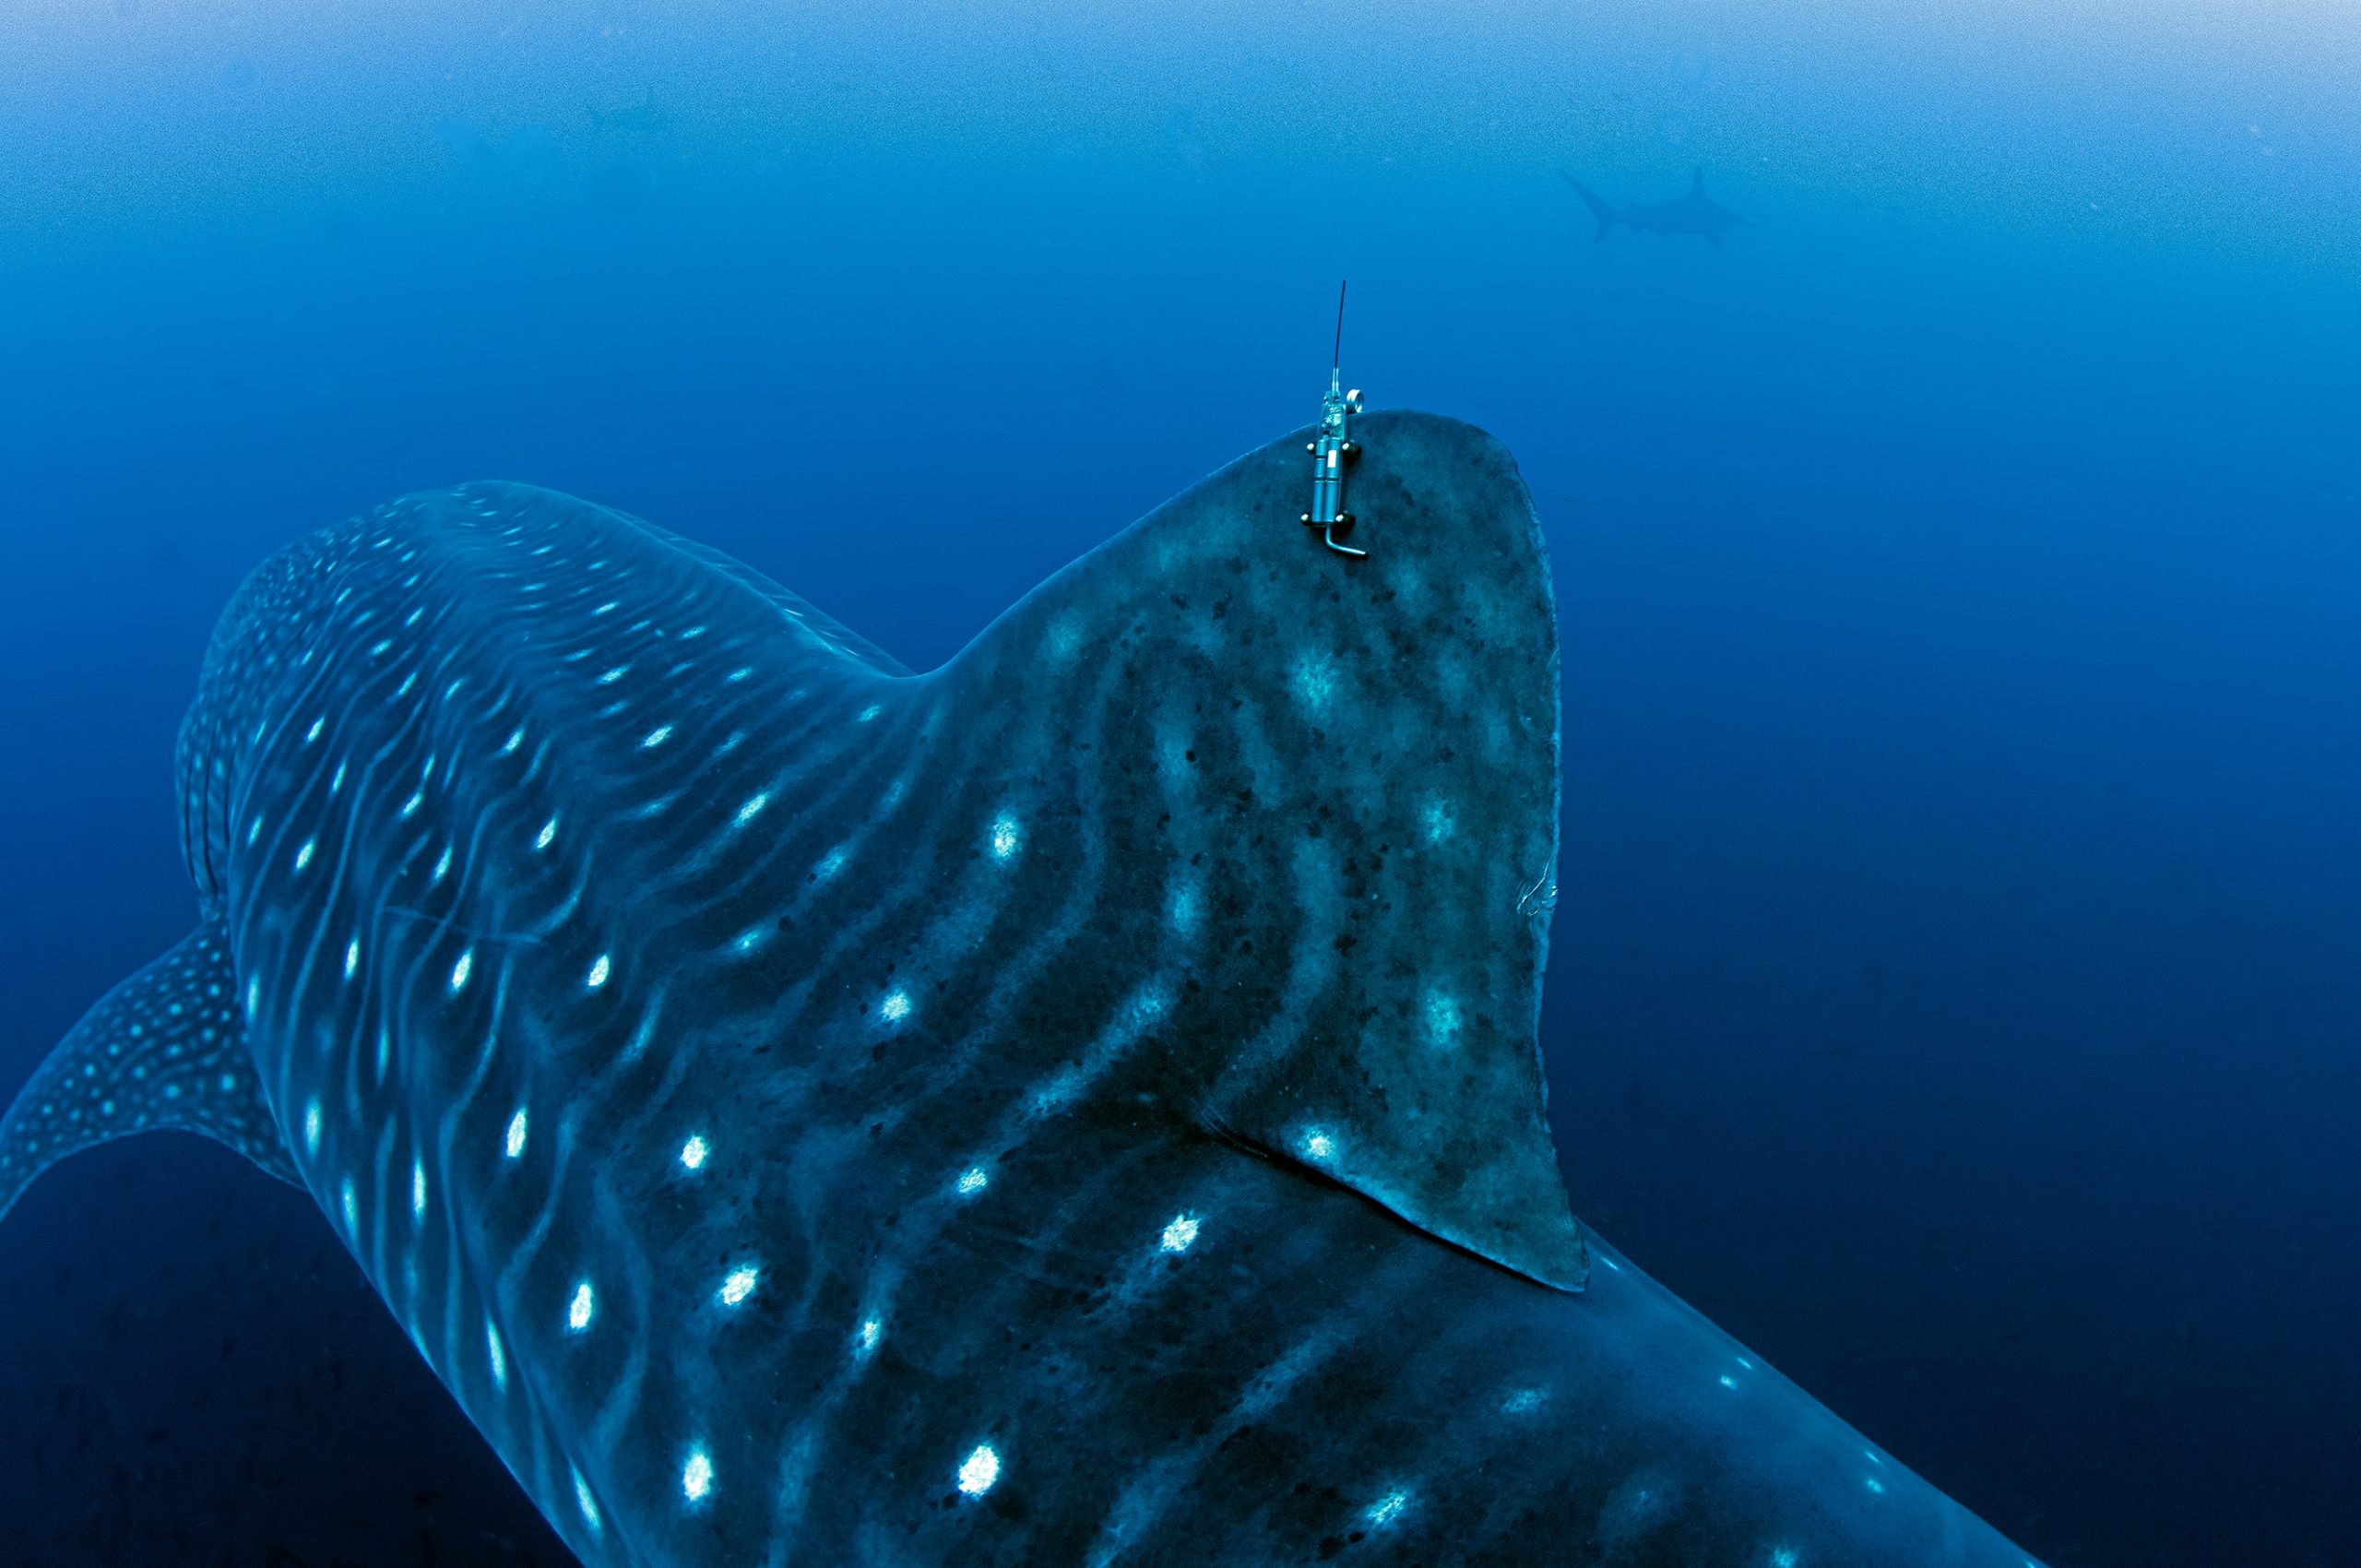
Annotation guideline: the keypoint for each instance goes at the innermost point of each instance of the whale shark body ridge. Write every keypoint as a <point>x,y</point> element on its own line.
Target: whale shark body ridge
<point>1078,1105</point>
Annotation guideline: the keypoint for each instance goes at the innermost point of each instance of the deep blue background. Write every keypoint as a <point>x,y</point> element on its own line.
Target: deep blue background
<point>1957,980</point>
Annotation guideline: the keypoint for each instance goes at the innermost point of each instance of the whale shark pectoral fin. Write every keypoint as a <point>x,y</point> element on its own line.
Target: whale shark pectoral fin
<point>167,1048</point>
<point>1332,788</point>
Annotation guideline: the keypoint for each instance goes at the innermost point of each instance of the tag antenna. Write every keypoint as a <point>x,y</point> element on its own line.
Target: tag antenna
<point>1331,447</point>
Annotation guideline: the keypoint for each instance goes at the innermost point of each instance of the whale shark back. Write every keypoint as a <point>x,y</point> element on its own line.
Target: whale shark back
<point>789,1100</point>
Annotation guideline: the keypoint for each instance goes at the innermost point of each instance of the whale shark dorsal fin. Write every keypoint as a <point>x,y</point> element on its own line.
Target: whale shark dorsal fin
<point>1327,789</point>
<point>165,1049</point>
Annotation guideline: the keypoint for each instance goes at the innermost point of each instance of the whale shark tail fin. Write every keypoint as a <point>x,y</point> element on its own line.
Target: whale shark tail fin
<point>1608,216</point>
<point>167,1048</point>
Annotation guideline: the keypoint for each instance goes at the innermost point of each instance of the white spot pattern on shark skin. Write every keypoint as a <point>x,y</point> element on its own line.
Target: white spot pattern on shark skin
<point>751,809</point>
<point>693,1152</point>
<point>418,1189</point>
<point>584,1501</point>
<point>896,1007</point>
<point>601,967</point>
<point>1181,909</point>
<point>312,1126</point>
<point>351,956</point>
<point>513,1144</point>
<point>971,1181</point>
<point>1006,839</point>
<point>1387,1509</point>
<point>865,1338</point>
<point>738,1285</point>
<point>578,1310</point>
<point>461,970</point>
<point>1318,1144</point>
<point>697,1476</point>
<point>1316,683</point>
<point>980,1471</point>
<point>303,855</point>
<point>1181,1234</point>
<point>1442,1017</point>
<point>496,1355</point>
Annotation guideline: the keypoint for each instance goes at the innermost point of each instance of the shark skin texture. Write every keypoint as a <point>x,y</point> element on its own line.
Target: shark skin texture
<point>1078,1106</point>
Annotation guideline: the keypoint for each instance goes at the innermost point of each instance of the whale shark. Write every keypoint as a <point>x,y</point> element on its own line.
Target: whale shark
<point>1080,1105</point>
<point>1695,213</point>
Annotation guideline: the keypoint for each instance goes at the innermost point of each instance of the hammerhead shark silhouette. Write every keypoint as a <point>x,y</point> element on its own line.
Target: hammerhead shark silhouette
<point>1695,213</point>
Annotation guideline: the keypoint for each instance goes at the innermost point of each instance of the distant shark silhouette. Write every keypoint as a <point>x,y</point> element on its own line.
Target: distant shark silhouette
<point>1077,1108</point>
<point>1695,213</point>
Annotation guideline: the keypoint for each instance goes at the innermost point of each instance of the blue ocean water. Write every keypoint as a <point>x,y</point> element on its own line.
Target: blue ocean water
<point>1954,990</point>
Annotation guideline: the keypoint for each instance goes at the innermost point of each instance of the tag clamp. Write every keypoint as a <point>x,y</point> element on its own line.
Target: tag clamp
<point>1331,449</point>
